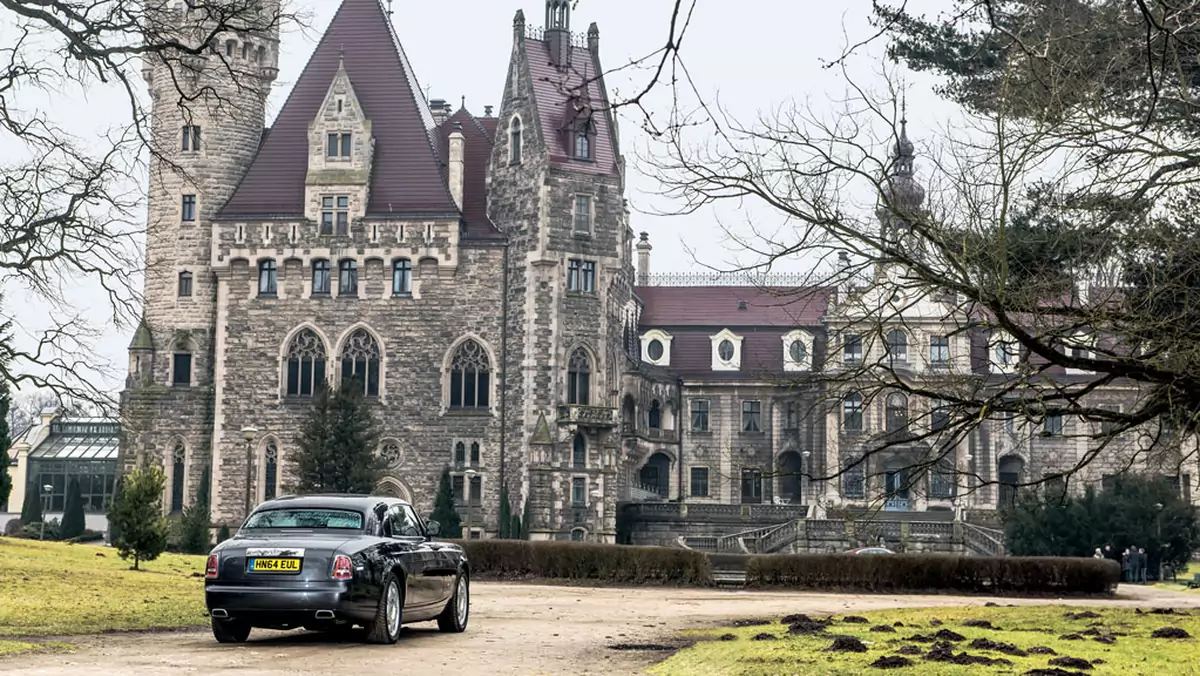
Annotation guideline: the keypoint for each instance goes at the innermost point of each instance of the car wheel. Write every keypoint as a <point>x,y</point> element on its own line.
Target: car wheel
<point>458,610</point>
<point>230,631</point>
<point>385,628</point>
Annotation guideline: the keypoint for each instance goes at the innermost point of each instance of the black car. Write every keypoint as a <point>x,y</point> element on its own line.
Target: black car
<point>330,562</point>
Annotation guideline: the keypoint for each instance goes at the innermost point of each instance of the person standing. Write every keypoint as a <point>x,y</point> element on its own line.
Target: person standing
<point>1126,566</point>
<point>1143,564</point>
<point>1098,555</point>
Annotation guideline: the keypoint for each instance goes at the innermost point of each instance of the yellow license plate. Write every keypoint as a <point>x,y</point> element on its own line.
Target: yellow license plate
<point>275,565</point>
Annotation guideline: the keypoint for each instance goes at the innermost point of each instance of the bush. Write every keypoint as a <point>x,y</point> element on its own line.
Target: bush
<point>34,531</point>
<point>13,527</point>
<point>87,536</point>
<point>925,572</point>
<point>582,561</point>
<point>73,520</point>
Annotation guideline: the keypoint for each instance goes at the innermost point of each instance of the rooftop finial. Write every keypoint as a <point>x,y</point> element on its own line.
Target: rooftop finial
<point>464,101</point>
<point>389,9</point>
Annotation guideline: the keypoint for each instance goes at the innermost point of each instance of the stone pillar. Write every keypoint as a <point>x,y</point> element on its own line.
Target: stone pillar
<point>457,142</point>
<point>643,259</point>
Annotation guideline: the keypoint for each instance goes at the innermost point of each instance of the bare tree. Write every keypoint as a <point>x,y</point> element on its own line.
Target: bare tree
<point>71,208</point>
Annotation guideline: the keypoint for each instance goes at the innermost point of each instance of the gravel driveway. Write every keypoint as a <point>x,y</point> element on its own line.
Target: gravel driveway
<point>517,629</point>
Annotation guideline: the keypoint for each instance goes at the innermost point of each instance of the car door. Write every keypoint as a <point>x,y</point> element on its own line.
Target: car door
<point>411,550</point>
<point>445,564</point>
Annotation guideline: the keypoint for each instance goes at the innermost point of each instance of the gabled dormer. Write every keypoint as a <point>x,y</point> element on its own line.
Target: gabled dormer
<point>341,150</point>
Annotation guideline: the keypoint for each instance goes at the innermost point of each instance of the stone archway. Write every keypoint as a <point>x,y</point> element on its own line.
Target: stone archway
<point>393,487</point>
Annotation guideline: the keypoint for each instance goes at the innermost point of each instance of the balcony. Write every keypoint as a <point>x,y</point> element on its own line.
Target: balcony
<point>628,429</point>
<point>587,416</point>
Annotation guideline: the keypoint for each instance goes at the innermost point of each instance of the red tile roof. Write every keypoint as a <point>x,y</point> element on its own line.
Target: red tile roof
<point>762,356</point>
<point>718,306</point>
<point>478,138</point>
<point>552,91</point>
<point>407,175</point>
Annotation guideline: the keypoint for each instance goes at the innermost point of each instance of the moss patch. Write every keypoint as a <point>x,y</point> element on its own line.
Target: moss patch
<point>1021,639</point>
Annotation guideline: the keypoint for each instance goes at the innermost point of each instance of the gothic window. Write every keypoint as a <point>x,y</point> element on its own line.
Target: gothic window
<point>270,470</point>
<point>335,214</point>
<point>178,475</point>
<point>655,415</point>
<point>191,138</point>
<point>360,362</point>
<point>514,135</point>
<point>583,144</point>
<point>470,377</point>
<point>474,452</point>
<point>188,209</point>
<point>896,412</point>
<point>579,452</point>
<point>320,278</point>
<point>852,412</point>
<point>348,277</point>
<point>579,375</point>
<point>402,277</point>
<point>185,284</point>
<point>460,453</point>
<point>583,213</point>
<point>305,365</point>
<point>268,279</point>
<point>338,145</point>
<point>897,346</point>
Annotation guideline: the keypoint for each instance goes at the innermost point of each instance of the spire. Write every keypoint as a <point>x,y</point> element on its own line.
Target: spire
<point>906,193</point>
<point>558,32</point>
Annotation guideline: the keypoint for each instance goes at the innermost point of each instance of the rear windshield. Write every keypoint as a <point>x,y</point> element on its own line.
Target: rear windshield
<point>306,518</point>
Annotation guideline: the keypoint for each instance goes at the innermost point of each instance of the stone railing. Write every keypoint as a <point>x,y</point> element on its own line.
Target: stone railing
<point>986,541</point>
<point>588,416</point>
<point>629,429</point>
<point>738,542</point>
<point>782,534</point>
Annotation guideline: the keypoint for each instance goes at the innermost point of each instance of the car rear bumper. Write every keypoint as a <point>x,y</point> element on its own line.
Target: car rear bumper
<point>290,605</point>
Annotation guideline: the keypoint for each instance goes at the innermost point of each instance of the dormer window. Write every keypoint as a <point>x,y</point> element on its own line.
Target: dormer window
<point>583,146</point>
<point>797,350</point>
<point>335,215</point>
<point>656,347</point>
<point>726,351</point>
<point>338,145</point>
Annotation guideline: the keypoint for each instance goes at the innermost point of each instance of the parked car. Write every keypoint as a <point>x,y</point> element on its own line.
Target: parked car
<point>332,562</point>
<point>870,550</point>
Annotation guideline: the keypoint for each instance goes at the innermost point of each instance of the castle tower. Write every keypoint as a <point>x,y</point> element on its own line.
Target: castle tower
<point>556,190</point>
<point>207,117</point>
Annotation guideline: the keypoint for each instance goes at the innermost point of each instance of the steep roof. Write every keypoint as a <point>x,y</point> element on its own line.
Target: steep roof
<point>478,137</point>
<point>720,306</point>
<point>552,89</point>
<point>407,174</point>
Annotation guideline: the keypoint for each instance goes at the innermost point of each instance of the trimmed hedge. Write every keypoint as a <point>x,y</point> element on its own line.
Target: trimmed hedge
<point>521,559</point>
<point>925,572</point>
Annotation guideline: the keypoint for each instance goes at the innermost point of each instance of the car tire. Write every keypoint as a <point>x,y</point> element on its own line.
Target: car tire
<point>385,627</point>
<point>458,610</point>
<point>230,631</point>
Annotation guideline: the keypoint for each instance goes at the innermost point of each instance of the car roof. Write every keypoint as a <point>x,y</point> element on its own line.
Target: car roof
<point>333,500</point>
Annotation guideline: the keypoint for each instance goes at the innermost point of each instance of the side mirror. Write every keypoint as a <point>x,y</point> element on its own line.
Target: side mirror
<point>433,528</point>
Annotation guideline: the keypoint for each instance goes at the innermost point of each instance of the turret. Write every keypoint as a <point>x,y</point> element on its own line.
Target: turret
<point>558,32</point>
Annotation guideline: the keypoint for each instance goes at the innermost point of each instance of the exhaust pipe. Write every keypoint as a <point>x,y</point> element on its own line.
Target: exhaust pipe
<point>324,614</point>
<point>219,613</point>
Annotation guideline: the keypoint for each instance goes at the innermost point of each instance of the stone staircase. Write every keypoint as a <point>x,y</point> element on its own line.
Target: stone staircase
<point>807,535</point>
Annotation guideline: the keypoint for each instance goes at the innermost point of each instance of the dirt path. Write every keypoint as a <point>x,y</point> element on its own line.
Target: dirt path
<point>525,630</point>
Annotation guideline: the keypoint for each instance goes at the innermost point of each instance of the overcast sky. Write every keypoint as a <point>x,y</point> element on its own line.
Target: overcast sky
<point>754,55</point>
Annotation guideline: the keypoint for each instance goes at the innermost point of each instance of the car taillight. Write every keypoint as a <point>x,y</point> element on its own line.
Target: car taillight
<point>341,567</point>
<point>210,571</point>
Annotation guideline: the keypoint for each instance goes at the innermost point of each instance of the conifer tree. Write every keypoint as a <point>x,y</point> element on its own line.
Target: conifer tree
<point>31,511</point>
<point>73,522</point>
<point>337,451</point>
<point>506,516</point>
<point>196,523</point>
<point>443,509</point>
<point>222,534</point>
<point>114,531</point>
<point>138,515</point>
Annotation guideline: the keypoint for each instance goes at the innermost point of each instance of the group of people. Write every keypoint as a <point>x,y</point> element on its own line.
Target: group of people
<point>1133,562</point>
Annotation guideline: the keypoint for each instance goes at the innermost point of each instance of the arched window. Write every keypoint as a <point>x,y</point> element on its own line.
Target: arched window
<point>578,534</point>
<point>897,412</point>
<point>305,364</point>
<point>514,143</point>
<point>270,470</point>
<point>474,452</point>
<point>852,412</point>
<point>897,346</point>
<point>583,145</point>
<point>348,277</point>
<point>460,453</point>
<point>470,381</point>
<point>268,280</point>
<point>320,278</point>
<point>655,416</point>
<point>579,452</point>
<point>402,277</point>
<point>178,476</point>
<point>360,362</point>
<point>579,378</point>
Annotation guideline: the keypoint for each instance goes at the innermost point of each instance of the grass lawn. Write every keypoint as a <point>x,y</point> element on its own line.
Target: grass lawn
<point>1131,651</point>
<point>50,589</point>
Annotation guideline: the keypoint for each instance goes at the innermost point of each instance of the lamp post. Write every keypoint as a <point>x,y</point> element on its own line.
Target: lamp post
<point>1158,508</point>
<point>248,434</point>
<point>468,476</point>
<point>970,471</point>
<point>48,489</point>
<point>805,468</point>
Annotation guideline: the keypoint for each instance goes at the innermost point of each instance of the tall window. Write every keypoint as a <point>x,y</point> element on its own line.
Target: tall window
<point>897,346</point>
<point>188,210</point>
<point>852,412</point>
<point>939,414</point>
<point>476,495</point>
<point>320,278</point>
<point>270,470</point>
<point>579,452</point>
<point>751,486</point>
<point>579,492</point>
<point>514,141</point>
<point>699,482</point>
<point>338,145</point>
<point>792,416</point>
<point>583,146</point>
<point>348,277</point>
<point>852,351</point>
<point>185,284</point>
<point>470,382</point>
<point>268,280</point>
<point>402,277</point>
<point>191,138</point>
<point>700,415</point>
<point>360,362</point>
<point>581,275</point>
<point>1053,424</point>
<point>305,364</point>
<point>655,415</point>
<point>751,416</point>
<point>583,213</point>
<point>939,351</point>
<point>474,452</point>
<point>178,477</point>
<point>335,214</point>
<point>941,481</point>
<point>460,453</point>
<point>579,382</point>
<point>854,479</point>
<point>896,409</point>
<point>181,369</point>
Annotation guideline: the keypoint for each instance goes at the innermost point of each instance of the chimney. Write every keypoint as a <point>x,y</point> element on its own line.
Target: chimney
<point>48,414</point>
<point>457,142</point>
<point>440,110</point>
<point>558,32</point>
<point>594,39</point>
<point>487,111</point>
<point>643,254</point>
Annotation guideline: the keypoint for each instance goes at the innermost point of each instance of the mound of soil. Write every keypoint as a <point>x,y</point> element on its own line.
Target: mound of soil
<point>1165,611</point>
<point>921,638</point>
<point>764,637</point>
<point>1169,632</point>
<point>805,627</point>
<point>1106,640</point>
<point>883,628</point>
<point>892,662</point>
<point>944,652</point>
<point>897,623</point>
<point>908,650</point>
<point>1070,637</point>
<point>640,647</point>
<point>1070,662</point>
<point>947,635</point>
<point>980,624</point>
<point>1006,648</point>
<point>1083,615</point>
<point>727,637</point>
<point>801,617</point>
<point>749,623</point>
<point>935,622</point>
<point>1052,672</point>
<point>854,619</point>
<point>991,604</point>
<point>847,644</point>
<point>1042,650</point>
